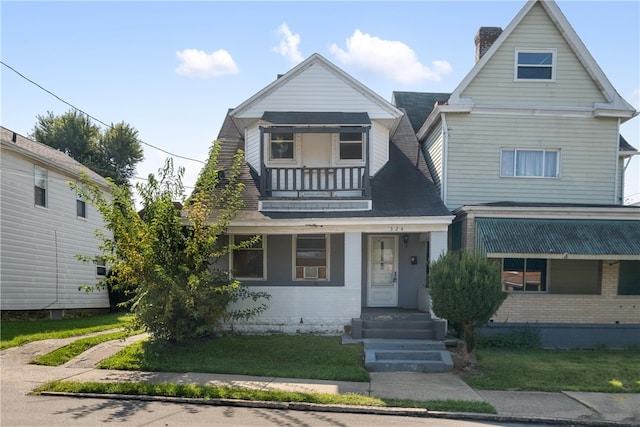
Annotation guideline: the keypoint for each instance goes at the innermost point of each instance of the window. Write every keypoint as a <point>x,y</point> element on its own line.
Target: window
<point>350,146</point>
<point>530,163</point>
<point>101,267</point>
<point>629,278</point>
<point>81,206</point>
<point>282,144</point>
<point>521,274</point>
<point>535,65</point>
<point>248,262</point>
<point>311,257</point>
<point>40,186</point>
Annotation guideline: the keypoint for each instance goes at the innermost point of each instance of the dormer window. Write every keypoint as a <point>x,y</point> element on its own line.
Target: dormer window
<point>535,64</point>
<point>282,146</point>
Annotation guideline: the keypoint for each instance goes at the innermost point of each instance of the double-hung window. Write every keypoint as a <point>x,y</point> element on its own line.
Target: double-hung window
<point>350,146</point>
<point>539,64</point>
<point>524,274</point>
<point>81,206</point>
<point>40,186</point>
<point>311,257</point>
<point>248,260</point>
<point>101,267</point>
<point>282,146</point>
<point>530,163</point>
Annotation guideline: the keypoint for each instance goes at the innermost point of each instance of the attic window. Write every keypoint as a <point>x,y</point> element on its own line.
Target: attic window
<point>535,64</point>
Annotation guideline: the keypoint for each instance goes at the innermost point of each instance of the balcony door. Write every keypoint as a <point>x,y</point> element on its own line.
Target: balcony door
<point>382,290</point>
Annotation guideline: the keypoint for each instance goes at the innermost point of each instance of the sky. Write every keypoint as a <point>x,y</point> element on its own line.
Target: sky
<point>172,69</point>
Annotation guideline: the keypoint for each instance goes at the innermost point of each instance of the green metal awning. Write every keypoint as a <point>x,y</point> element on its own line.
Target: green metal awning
<point>558,238</point>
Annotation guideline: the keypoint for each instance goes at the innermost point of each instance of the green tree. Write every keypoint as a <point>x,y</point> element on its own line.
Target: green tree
<point>113,153</point>
<point>467,290</point>
<point>166,259</point>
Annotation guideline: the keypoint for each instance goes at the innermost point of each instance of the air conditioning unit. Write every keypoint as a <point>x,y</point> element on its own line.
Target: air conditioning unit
<point>310,273</point>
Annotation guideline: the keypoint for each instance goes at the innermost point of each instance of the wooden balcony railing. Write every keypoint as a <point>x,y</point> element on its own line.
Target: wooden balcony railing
<point>315,182</point>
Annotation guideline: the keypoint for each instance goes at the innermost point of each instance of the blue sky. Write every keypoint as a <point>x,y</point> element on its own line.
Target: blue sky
<point>172,69</point>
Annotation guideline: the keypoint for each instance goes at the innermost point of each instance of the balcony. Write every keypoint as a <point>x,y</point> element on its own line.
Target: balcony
<point>316,182</point>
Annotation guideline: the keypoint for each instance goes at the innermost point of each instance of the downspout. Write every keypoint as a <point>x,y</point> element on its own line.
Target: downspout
<point>445,153</point>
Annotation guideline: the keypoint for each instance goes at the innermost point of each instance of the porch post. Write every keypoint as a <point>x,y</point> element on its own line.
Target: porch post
<point>438,245</point>
<point>353,269</point>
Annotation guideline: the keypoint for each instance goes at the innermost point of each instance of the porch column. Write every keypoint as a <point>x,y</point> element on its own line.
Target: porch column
<point>438,244</point>
<point>353,268</point>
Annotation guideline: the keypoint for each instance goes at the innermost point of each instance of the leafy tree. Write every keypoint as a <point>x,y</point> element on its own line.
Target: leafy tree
<point>467,290</point>
<point>167,259</point>
<point>113,153</point>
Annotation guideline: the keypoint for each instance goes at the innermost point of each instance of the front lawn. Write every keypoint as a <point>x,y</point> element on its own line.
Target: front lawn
<point>607,371</point>
<point>299,356</point>
<point>18,332</point>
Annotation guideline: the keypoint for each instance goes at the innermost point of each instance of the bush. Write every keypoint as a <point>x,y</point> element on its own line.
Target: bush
<point>519,338</point>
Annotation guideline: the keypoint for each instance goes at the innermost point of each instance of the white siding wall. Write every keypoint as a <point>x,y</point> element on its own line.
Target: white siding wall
<point>495,83</point>
<point>587,159</point>
<point>252,147</point>
<point>308,309</point>
<point>434,154</point>
<point>38,269</point>
<point>316,89</point>
<point>379,152</point>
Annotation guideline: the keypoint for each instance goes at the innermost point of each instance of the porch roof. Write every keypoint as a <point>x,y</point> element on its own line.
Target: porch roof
<point>558,238</point>
<point>316,118</point>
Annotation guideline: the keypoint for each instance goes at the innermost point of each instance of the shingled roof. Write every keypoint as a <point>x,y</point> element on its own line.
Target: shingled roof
<point>418,105</point>
<point>403,187</point>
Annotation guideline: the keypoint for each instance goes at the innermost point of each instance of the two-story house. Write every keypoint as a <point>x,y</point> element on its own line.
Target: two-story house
<point>340,194</point>
<point>44,225</point>
<point>527,153</point>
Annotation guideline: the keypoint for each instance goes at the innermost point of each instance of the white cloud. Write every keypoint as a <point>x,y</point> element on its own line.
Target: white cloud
<point>392,59</point>
<point>197,63</point>
<point>288,46</point>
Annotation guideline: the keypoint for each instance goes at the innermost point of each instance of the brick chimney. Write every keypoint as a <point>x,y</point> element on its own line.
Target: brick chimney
<point>484,39</point>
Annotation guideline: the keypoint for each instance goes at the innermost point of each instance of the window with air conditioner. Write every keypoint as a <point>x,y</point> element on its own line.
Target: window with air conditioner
<point>311,257</point>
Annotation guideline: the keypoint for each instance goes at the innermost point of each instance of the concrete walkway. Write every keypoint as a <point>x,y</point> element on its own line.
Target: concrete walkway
<point>595,409</point>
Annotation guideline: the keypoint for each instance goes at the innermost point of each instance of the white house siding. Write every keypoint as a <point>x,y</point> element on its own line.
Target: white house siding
<point>311,309</point>
<point>433,152</point>
<point>38,245</point>
<point>587,159</point>
<point>379,135</point>
<point>316,89</point>
<point>252,147</point>
<point>495,83</point>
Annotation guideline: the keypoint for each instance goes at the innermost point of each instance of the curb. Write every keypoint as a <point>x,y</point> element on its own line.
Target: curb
<point>296,406</point>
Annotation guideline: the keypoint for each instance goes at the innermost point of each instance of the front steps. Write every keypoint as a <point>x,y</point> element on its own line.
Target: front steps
<point>401,340</point>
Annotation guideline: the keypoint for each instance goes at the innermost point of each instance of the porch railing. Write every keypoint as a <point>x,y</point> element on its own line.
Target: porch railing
<point>320,182</point>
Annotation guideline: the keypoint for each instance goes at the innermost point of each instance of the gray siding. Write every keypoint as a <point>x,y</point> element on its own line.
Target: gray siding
<point>38,246</point>
<point>587,159</point>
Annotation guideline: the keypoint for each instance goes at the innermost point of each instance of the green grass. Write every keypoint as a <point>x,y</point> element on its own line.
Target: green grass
<point>14,333</point>
<point>607,371</point>
<point>238,393</point>
<point>300,356</point>
<point>64,354</point>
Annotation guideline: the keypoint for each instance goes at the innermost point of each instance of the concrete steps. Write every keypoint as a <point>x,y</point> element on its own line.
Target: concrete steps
<point>406,355</point>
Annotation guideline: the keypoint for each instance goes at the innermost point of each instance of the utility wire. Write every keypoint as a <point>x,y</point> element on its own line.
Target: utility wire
<point>92,117</point>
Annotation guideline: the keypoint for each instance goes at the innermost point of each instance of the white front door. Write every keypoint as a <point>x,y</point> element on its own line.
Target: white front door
<point>383,271</point>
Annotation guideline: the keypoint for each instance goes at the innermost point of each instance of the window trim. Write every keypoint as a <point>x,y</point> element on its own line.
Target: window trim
<point>517,65</point>
<point>327,249</point>
<point>295,160</point>
<point>336,149</point>
<point>80,199</point>
<point>101,264</point>
<point>263,248</point>
<point>543,150</point>
<point>45,189</point>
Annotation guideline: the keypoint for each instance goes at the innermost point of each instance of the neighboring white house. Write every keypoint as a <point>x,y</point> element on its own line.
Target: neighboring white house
<point>43,226</point>
<point>527,152</point>
<point>339,192</point>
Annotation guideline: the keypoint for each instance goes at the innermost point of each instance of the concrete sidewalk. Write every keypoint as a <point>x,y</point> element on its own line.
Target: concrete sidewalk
<point>594,409</point>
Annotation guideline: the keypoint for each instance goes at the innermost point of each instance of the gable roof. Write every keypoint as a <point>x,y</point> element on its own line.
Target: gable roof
<point>418,105</point>
<point>300,68</point>
<point>46,155</point>
<point>615,101</point>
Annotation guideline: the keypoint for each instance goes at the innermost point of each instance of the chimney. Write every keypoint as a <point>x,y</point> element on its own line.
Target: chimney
<point>484,39</point>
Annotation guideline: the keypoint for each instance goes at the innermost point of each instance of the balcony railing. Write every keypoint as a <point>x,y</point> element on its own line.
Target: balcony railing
<point>326,182</point>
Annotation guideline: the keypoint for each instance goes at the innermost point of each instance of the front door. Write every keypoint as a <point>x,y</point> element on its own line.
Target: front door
<point>383,271</point>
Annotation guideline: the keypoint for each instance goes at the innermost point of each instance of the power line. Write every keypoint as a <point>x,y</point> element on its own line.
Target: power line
<point>92,117</point>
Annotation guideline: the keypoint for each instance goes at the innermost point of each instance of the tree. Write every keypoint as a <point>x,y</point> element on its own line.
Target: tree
<point>467,290</point>
<point>167,259</point>
<point>113,153</point>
